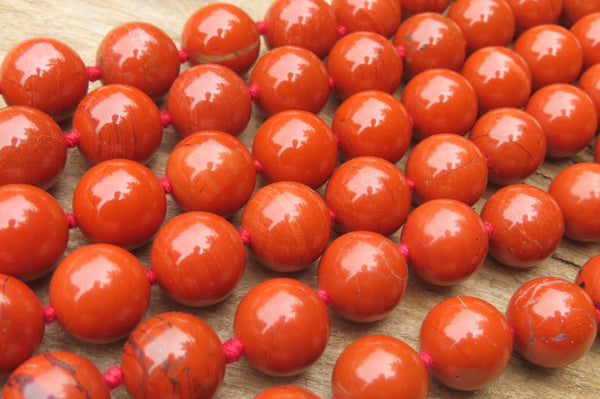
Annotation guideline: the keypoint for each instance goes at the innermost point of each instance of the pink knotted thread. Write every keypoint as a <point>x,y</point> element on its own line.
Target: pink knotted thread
<point>233,350</point>
<point>165,118</point>
<point>427,360</point>
<point>598,315</point>
<point>71,138</point>
<point>489,228</point>
<point>257,166</point>
<point>183,56</point>
<point>512,330</point>
<point>403,248</point>
<point>72,222</point>
<point>49,314</point>
<point>331,83</point>
<point>254,90</point>
<point>324,297</point>
<point>332,215</point>
<point>341,31</point>
<point>152,277</point>
<point>113,377</point>
<point>245,235</point>
<point>165,182</point>
<point>411,183</point>
<point>261,27</point>
<point>93,73</point>
<point>401,51</point>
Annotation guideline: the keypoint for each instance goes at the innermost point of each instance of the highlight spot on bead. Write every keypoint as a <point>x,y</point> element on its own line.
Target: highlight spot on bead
<point>49,314</point>
<point>113,377</point>
<point>165,118</point>
<point>261,27</point>
<point>489,228</point>
<point>427,360</point>
<point>233,350</point>
<point>71,138</point>
<point>254,91</point>
<point>183,56</point>
<point>165,182</point>
<point>71,220</point>
<point>403,248</point>
<point>245,234</point>
<point>93,73</point>
<point>152,277</point>
<point>324,297</point>
<point>342,31</point>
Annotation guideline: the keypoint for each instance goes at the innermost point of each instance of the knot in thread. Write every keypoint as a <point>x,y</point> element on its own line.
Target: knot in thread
<point>253,90</point>
<point>245,235</point>
<point>324,296</point>
<point>427,360</point>
<point>261,27</point>
<point>152,277</point>
<point>341,31</point>
<point>93,73</point>
<point>71,138</point>
<point>489,229</point>
<point>233,350</point>
<point>165,118</point>
<point>113,377</point>
<point>183,56</point>
<point>165,182</point>
<point>71,221</point>
<point>49,314</point>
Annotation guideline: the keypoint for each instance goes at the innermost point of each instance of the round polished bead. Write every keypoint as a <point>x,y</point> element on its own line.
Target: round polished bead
<point>295,146</point>
<point>378,367</point>
<point>574,10</point>
<point>554,321</point>
<point>368,193</point>
<point>30,137</point>
<point>364,61</point>
<point>447,166</point>
<point>530,13</point>
<point>411,7</point>
<point>33,231</point>
<point>192,239</point>
<point>588,278</point>
<point>56,375</point>
<point>283,326</point>
<point>290,78</point>
<point>447,241</point>
<point>141,55</point>
<point>209,97</point>
<point>379,16</point>
<point>469,340</point>
<point>587,32</point>
<point>372,123</point>
<point>100,292</point>
<point>118,121</point>
<point>286,392</point>
<point>119,202</point>
<point>211,171</point>
<point>22,323</point>
<point>221,34</point>
<point>289,226</point>
<point>590,83</point>
<point>173,355</point>
<point>310,24</point>
<point>364,275</point>
<point>45,74</point>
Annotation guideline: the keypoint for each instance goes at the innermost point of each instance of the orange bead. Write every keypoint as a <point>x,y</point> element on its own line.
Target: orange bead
<point>530,13</point>
<point>100,292</point>
<point>590,83</point>
<point>411,7</point>
<point>574,10</point>
<point>588,278</point>
<point>283,326</point>
<point>286,392</point>
<point>379,16</point>
<point>587,32</point>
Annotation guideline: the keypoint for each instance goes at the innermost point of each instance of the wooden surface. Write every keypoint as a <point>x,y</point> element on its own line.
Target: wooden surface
<point>82,25</point>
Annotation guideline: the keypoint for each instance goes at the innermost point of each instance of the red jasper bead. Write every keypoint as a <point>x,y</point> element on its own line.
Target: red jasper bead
<point>310,24</point>
<point>590,83</point>
<point>209,97</point>
<point>469,340</point>
<point>512,142</point>
<point>30,137</point>
<point>500,77</point>
<point>286,392</point>
<point>447,241</point>
<point>440,101</point>
<point>368,193</point>
<point>568,117</point>
<point>529,13</point>
<point>174,355</point>
<point>587,32</point>
<point>430,40</point>
<point>379,16</point>
<point>379,366</point>
<point>221,34</point>
<point>119,202</point>
<point>33,231</point>
<point>483,22</point>
<point>411,7</point>
<point>22,323</point>
<point>588,278</point>
<point>364,61</point>
<point>364,274</point>
<point>554,321</point>
<point>289,226</point>
<point>45,74</point>
<point>283,326</point>
<point>211,171</point>
<point>577,191</point>
<point>296,146</point>
<point>118,121</point>
<point>447,166</point>
<point>552,53</point>
<point>372,123</point>
<point>527,225</point>
<point>574,10</point>
<point>290,78</point>
<point>56,375</point>
<point>192,239</point>
<point>100,292</point>
<point>141,55</point>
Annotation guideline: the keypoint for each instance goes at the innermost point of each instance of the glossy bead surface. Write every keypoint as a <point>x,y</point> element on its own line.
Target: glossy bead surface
<point>310,24</point>
<point>527,225</point>
<point>192,239</point>
<point>364,274</point>
<point>530,13</point>
<point>290,78</point>
<point>440,101</point>
<point>512,142</point>
<point>372,123</point>
<point>378,367</point>
<point>33,231</point>
<point>590,83</point>
<point>368,193</point>
<point>45,74</point>
<point>587,32</point>
<point>138,54</point>
<point>118,121</point>
<point>574,10</point>
<point>119,202</point>
<point>554,321</point>
<point>221,34</point>
<point>209,97</point>
<point>211,171</point>
<point>100,292</point>
<point>364,61</point>
<point>173,355</point>
<point>56,375</point>
<point>30,137</point>
<point>410,7</point>
<point>286,392</point>
<point>447,241</point>
<point>447,166</point>
<point>22,323</point>
<point>379,16</point>
<point>568,117</point>
<point>588,278</point>
<point>469,340</point>
<point>283,326</point>
<point>289,226</point>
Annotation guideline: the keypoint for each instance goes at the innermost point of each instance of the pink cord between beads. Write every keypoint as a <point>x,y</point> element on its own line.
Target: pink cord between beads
<point>253,90</point>
<point>261,27</point>
<point>512,330</point>
<point>245,235</point>
<point>165,182</point>
<point>324,297</point>
<point>71,220</point>
<point>489,228</point>
<point>412,121</point>
<point>165,118</point>
<point>71,138</point>
<point>403,248</point>
<point>113,377</point>
<point>411,183</point>
<point>233,350</point>
<point>332,215</point>
<point>183,56</point>
<point>598,315</point>
<point>49,314</point>
<point>331,83</point>
<point>152,277</point>
<point>427,360</point>
<point>341,31</point>
<point>93,73</point>
<point>401,51</point>
<point>257,166</point>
